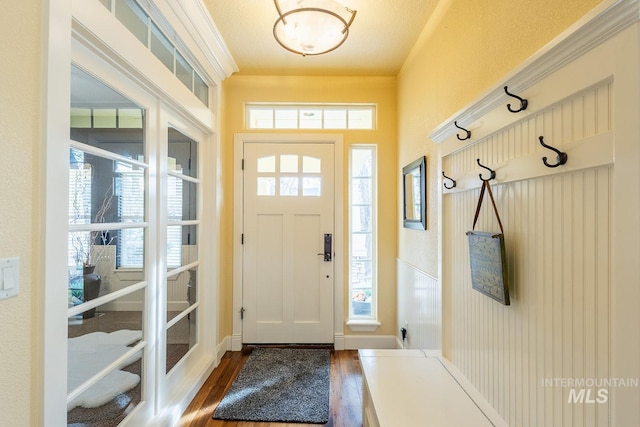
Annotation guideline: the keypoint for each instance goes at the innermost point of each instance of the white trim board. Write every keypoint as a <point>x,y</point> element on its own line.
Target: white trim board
<point>357,342</point>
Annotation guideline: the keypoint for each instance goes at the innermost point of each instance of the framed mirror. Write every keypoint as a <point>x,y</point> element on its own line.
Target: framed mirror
<point>414,194</point>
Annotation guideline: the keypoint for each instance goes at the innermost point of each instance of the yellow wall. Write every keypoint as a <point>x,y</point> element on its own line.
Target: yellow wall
<point>238,90</point>
<point>20,48</point>
<point>466,48</point>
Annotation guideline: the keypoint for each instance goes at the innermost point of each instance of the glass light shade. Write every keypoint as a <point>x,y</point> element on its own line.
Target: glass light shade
<point>311,27</point>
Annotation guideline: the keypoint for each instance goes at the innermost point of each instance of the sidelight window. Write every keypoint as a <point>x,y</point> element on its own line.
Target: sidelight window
<point>362,232</point>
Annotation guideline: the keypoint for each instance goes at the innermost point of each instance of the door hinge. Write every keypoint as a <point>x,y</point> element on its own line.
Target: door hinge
<point>242,239</point>
<point>242,166</point>
<point>242,313</point>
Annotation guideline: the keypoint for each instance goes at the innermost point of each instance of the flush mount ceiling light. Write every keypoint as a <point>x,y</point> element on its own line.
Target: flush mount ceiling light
<point>311,27</point>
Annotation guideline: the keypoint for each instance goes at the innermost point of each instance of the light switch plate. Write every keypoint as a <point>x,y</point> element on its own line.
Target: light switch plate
<point>9,277</point>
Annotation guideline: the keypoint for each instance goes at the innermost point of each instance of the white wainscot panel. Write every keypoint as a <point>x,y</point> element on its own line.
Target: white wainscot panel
<point>419,307</point>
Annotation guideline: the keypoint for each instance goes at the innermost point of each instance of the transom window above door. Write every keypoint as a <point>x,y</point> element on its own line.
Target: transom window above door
<point>310,116</point>
<point>289,175</point>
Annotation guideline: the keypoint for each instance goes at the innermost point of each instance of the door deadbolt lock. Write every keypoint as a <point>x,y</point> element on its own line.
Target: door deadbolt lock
<point>327,248</point>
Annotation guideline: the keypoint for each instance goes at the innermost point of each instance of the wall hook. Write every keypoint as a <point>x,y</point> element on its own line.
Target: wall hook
<point>493,173</point>
<point>523,102</point>
<point>461,128</point>
<point>561,157</point>
<point>448,187</point>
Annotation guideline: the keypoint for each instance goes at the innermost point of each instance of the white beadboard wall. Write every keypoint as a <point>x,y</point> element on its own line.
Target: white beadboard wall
<point>557,226</point>
<point>557,239</point>
<point>419,307</point>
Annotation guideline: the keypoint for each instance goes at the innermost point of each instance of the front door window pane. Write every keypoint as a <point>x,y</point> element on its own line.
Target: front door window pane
<point>289,163</point>
<point>289,185</point>
<point>267,164</point>
<point>311,186</point>
<point>266,186</point>
<point>311,164</point>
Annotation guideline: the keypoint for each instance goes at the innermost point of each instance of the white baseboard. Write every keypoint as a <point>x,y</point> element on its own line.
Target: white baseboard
<point>222,348</point>
<point>338,341</point>
<point>236,342</point>
<point>357,342</point>
<point>341,342</point>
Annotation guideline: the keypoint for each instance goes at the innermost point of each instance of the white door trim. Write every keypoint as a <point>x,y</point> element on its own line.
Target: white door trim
<point>337,140</point>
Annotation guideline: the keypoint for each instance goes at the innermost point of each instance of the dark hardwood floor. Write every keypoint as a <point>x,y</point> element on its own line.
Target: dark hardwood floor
<point>345,404</point>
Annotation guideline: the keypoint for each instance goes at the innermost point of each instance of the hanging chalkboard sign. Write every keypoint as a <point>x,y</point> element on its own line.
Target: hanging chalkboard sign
<point>488,257</point>
<point>488,266</point>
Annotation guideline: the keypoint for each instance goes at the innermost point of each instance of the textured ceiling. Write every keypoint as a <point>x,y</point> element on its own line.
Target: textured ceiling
<point>380,38</point>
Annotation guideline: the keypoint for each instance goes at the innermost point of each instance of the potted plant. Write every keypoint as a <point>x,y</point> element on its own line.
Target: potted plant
<point>361,302</point>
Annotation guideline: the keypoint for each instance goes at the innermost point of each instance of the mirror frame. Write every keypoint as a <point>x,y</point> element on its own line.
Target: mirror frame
<point>421,223</point>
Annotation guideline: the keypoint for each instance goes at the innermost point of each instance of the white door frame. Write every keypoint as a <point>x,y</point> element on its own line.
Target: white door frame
<point>238,214</point>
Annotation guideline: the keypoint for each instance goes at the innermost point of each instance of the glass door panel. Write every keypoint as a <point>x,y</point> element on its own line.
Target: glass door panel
<point>181,337</point>
<point>182,203</point>
<point>108,283</point>
<point>105,353</point>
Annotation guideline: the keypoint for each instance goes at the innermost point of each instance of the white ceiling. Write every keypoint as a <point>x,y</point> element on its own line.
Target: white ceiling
<point>380,38</point>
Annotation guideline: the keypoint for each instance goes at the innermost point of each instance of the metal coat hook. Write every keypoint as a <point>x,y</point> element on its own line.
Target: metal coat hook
<point>493,173</point>
<point>523,102</point>
<point>461,128</point>
<point>561,157</point>
<point>448,187</point>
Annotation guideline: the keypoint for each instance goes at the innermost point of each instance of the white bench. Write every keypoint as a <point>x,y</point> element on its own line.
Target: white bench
<point>406,388</point>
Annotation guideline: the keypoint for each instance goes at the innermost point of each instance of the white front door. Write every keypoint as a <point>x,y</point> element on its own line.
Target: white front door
<point>288,281</point>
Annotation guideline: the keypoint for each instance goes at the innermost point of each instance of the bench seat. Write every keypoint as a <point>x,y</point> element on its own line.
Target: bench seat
<point>405,388</point>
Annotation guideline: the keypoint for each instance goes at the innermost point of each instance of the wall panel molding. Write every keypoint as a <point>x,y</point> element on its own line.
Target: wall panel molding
<point>419,308</point>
